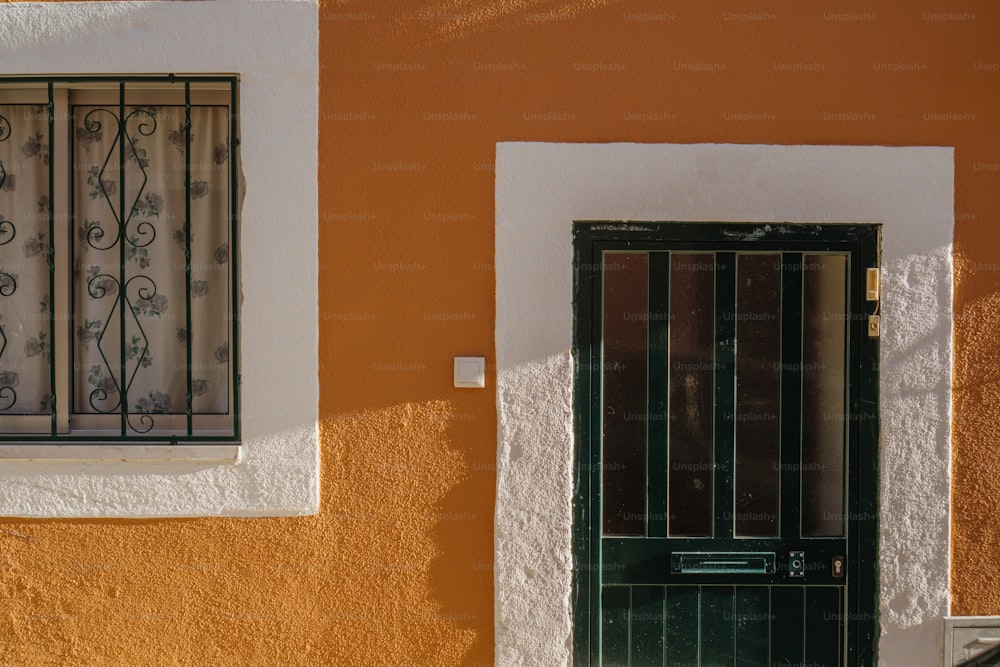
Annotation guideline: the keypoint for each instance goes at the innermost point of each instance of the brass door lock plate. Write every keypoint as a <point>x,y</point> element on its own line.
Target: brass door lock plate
<point>874,326</point>
<point>873,284</point>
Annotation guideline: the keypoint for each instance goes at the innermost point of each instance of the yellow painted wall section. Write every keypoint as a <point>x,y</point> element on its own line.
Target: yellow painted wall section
<point>397,566</point>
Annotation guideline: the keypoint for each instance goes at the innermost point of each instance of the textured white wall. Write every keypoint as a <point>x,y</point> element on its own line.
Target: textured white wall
<point>542,188</point>
<point>273,46</point>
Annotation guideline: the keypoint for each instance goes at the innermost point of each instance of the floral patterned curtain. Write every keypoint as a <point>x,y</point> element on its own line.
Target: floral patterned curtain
<point>153,329</point>
<point>24,275</point>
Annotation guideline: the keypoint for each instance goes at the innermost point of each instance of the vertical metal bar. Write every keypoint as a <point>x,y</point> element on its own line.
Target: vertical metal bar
<point>592,258</point>
<point>234,254</point>
<point>586,596</point>
<point>187,251</point>
<point>863,533</point>
<point>5,133</point>
<point>725,391</point>
<point>656,412</point>
<point>52,266</point>
<point>123,217</point>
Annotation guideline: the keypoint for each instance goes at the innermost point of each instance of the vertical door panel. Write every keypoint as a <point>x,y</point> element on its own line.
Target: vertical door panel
<point>624,390</point>
<point>753,624</point>
<point>787,626</point>
<point>823,625</point>
<point>717,626</point>
<point>682,625</point>
<point>692,371</point>
<point>659,374</point>
<point>615,603</point>
<point>824,393</point>
<point>758,395</point>
<point>725,392</point>
<point>647,625</point>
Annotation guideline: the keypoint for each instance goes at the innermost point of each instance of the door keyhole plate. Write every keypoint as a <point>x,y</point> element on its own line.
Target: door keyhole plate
<point>796,563</point>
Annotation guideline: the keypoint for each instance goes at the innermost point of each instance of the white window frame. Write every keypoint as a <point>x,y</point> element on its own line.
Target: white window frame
<point>274,469</point>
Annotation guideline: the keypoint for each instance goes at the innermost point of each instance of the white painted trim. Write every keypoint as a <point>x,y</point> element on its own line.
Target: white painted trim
<point>10,452</point>
<point>278,472</point>
<point>542,188</point>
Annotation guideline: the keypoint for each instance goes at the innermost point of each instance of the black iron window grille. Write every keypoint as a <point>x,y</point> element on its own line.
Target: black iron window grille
<point>119,284</point>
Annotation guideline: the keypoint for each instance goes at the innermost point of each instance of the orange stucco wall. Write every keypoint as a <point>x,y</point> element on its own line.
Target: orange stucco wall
<point>397,566</point>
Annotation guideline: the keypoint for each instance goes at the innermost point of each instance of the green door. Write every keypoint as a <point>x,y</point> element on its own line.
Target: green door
<point>727,440</point>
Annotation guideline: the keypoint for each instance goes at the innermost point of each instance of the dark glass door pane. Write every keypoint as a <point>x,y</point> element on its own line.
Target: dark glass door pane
<point>824,393</point>
<point>691,371</point>
<point>624,392</point>
<point>758,394</point>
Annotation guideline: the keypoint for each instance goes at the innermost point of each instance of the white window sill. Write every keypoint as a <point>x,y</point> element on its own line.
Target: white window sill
<point>123,453</point>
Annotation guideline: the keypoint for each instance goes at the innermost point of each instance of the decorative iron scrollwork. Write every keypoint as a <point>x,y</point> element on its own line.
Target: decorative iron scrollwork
<point>8,283</point>
<point>134,232</point>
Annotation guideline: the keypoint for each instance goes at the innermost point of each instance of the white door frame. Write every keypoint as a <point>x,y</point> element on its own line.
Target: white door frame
<point>542,188</point>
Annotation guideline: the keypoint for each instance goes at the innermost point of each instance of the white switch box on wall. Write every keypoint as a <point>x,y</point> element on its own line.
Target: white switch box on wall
<point>470,372</point>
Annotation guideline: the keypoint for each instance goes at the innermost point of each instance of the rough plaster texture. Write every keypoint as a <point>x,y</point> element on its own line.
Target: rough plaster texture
<point>279,473</point>
<point>975,538</point>
<point>381,576</point>
<point>542,188</point>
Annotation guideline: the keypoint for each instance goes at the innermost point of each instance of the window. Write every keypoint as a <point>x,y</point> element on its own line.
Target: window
<point>118,276</point>
<point>267,462</point>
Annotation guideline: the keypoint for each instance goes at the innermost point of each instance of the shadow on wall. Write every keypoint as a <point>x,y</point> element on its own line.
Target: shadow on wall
<point>453,20</point>
<point>445,21</point>
<point>413,551</point>
<point>389,572</point>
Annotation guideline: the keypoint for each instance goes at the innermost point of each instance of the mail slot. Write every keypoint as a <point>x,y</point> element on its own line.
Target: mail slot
<point>723,563</point>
